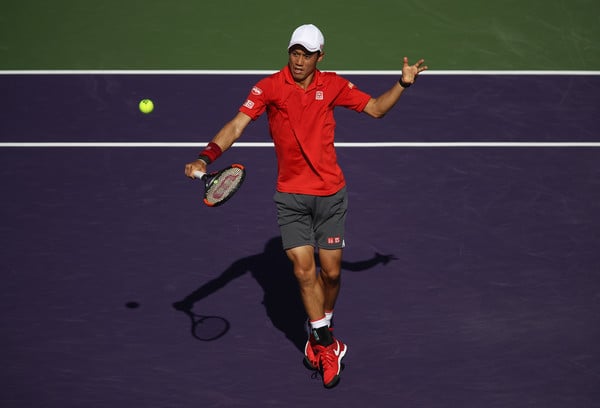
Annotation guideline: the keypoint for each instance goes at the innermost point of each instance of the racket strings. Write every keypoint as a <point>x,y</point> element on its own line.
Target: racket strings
<point>224,185</point>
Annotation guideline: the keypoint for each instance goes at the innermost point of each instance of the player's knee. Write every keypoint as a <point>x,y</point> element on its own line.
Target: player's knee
<point>305,276</point>
<point>331,276</point>
<point>304,270</point>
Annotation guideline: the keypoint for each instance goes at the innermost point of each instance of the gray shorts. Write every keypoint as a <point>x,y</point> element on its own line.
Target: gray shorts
<point>312,220</point>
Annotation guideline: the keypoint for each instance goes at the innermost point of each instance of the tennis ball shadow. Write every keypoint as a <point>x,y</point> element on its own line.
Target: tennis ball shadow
<point>132,305</point>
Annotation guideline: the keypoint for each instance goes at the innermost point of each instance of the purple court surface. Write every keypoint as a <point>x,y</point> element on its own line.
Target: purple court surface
<point>471,274</point>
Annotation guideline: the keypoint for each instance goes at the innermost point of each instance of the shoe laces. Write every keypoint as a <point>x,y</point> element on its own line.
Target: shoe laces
<point>326,357</point>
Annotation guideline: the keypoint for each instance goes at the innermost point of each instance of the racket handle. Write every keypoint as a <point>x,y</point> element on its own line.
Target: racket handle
<point>198,174</point>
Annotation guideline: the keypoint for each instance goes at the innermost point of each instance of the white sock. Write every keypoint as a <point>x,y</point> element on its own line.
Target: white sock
<point>329,317</point>
<point>318,323</point>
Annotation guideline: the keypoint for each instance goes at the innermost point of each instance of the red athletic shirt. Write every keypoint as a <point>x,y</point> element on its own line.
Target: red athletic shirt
<point>302,126</point>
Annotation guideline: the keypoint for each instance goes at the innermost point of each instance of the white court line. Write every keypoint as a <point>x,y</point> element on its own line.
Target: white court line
<point>270,144</point>
<point>268,72</point>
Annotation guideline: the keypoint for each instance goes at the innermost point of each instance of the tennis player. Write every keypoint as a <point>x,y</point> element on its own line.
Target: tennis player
<point>311,195</point>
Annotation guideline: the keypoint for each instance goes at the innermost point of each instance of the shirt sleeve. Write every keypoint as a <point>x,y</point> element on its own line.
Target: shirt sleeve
<point>256,102</point>
<point>351,97</point>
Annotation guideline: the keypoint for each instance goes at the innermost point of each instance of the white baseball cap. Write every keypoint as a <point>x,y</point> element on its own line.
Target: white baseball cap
<point>308,36</point>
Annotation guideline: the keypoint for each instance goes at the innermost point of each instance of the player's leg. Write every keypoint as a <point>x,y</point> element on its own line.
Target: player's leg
<point>330,218</point>
<point>330,221</point>
<point>330,276</point>
<point>294,216</point>
<point>311,290</point>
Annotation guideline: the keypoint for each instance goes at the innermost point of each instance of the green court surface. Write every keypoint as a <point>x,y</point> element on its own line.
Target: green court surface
<point>240,34</point>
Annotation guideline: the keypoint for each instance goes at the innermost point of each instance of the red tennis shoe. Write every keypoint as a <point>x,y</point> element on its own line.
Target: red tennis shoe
<point>330,361</point>
<point>311,360</point>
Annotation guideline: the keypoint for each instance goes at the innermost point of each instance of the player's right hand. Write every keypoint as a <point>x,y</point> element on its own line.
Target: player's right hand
<point>198,164</point>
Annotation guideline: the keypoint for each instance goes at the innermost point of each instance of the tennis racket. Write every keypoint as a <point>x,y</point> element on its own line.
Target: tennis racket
<point>221,185</point>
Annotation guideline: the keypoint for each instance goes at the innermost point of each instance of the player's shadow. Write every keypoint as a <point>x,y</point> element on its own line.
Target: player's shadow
<point>274,273</point>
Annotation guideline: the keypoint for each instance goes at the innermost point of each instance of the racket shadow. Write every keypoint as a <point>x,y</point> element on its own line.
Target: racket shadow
<point>205,328</point>
<point>273,271</point>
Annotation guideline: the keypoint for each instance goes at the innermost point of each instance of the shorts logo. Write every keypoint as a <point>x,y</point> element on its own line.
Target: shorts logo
<point>249,104</point>
<point>256,91</point>
<point>319,96</point>
<point>334,240</point>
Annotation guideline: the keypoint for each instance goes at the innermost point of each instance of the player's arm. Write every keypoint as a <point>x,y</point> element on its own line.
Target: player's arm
<point>221,142</point>
<point>232,131</point>
<point>378,107</point>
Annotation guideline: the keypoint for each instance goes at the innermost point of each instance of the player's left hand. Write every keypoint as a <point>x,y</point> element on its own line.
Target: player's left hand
<point>411,72</point>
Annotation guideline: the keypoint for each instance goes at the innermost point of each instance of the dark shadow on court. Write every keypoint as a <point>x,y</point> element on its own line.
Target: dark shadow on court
<point>274,273</point>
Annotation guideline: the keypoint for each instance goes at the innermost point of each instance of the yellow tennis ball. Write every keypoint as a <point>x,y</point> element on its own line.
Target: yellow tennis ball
<point>146,106</point>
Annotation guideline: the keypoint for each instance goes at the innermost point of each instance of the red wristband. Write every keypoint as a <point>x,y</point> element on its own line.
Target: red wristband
<point>212,151</point>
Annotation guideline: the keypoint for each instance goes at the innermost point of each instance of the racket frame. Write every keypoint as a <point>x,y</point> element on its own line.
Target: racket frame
<point>208,179</point>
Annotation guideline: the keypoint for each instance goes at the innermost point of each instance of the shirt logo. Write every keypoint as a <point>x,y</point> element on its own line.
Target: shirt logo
<point>319,96</point>
<point>256,91</point>
<point>249,104</point>
<point>350,85</point>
